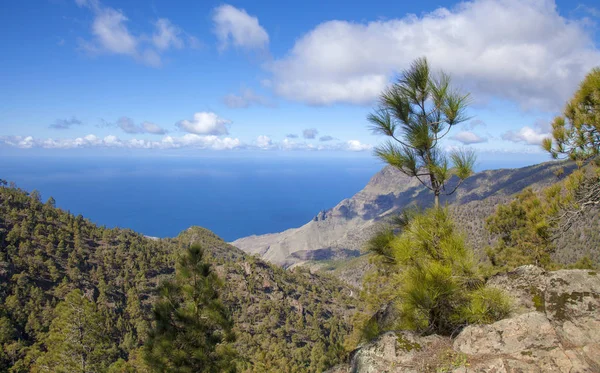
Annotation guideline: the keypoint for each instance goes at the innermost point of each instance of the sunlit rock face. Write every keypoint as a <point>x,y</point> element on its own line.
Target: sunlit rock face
<point>555,327</point>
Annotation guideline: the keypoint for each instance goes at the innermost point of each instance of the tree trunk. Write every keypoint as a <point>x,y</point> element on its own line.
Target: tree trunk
<point>437,200</point>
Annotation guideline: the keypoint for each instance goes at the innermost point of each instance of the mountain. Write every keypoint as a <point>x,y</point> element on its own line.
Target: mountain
<point>285,321</point>
<point>341,231</point>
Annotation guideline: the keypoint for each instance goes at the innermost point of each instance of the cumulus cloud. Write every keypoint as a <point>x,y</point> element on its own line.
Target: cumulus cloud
<point>236,27</point>
<point>325,138</point>
<point>129,126</point>
<point>189,140</point>
<point>291,136</point>
<point>63,124</point>
<point>529,135</point>
<point>110,35</point>
<point>310,133</point>
<point>246,98</point>
<point>111,141</point>
<point>519,50</point>
<point>468,137</point>
<point>264,142</point>
<point>205,123</point>
<point>357,146</point>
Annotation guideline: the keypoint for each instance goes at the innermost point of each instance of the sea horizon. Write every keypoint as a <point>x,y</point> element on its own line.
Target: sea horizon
<point>234,196</point>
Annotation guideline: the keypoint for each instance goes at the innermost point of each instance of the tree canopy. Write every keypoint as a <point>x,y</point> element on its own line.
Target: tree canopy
<point>191,324</point>
<point>416,113</point>
<point>576,133</point>
<point>76,342</point>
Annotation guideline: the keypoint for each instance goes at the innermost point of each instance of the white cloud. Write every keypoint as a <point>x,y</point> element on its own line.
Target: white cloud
<point>468,137</point>
<point>310,133</point>
<point>187,141</point>
<point>529,135</point>
<point>246,98</point>
<point>288,144</point>
<point>326,138</point>
<point>111,141</point>
<point>357,146</point>
<point>520,50</point>
<point>112,36</point>
<point>205,123</point>
<point>235,26</point>
<point>264,142</point>
<point>167,35</point>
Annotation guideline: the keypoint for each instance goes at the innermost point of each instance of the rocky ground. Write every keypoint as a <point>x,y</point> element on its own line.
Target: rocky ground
<point>555,327</point>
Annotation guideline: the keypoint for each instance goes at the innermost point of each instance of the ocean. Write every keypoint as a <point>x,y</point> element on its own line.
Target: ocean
<point>233,195</point>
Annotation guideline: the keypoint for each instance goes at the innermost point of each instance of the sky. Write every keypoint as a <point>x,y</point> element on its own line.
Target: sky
<point>203,77</point>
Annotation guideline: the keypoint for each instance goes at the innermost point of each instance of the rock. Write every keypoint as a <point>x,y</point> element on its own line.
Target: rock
<point>394,352</point>
<point>524,332</point>
<point>555,328</point>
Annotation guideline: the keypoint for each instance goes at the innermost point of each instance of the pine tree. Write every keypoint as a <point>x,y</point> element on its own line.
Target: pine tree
<point>576,134</point>
<point>416,113</point>
<point>77,341</point>
<point>191,325</point>
<point>433,275</point>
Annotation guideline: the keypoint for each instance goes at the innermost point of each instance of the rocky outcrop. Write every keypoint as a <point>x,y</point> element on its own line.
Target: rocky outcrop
<point>342,230</point>
<point>555,327</point>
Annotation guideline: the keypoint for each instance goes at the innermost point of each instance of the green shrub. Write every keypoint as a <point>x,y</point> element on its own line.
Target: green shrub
<point>438,287</point>
<point>486,305</point>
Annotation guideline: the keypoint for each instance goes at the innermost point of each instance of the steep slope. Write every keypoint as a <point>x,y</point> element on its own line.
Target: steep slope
<point>341,231</point>
<point>285,321</point>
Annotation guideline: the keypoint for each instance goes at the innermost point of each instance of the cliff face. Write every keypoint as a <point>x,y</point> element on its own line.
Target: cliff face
<point>342,230</point>
<point>555,327</point>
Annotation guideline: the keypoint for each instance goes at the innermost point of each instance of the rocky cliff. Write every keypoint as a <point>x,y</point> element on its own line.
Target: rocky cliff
<point>342,230</point>
<point>555,327</point>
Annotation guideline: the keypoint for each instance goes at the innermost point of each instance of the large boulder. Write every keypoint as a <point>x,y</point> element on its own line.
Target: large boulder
<point>555,327</point>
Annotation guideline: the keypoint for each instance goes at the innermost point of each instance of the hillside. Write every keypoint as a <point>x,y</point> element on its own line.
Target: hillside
<point>285,321</point>
<point>341,231</point>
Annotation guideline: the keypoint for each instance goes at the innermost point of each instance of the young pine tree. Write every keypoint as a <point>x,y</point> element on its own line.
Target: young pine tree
<point>416,113</point>
<point>192,328</point>
<point>437,288</point>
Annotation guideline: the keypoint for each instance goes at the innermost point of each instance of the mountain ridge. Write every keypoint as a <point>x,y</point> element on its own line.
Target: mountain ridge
<point>341,230</point>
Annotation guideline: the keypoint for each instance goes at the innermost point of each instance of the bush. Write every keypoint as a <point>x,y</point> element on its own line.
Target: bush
<point>438,288</point>
<point>486,305</point>
<point>531,227</point>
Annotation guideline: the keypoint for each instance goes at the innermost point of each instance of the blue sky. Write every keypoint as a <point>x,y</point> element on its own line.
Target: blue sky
<point>207,76</point>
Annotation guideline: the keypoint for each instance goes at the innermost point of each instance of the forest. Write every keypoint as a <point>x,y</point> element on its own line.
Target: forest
<point>55,267</point>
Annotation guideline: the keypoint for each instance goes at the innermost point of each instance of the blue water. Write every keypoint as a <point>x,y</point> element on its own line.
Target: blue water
<point>234,195</point>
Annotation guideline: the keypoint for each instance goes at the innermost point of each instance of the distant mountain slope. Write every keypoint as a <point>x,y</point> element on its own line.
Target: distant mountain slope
<point>282,318</point>
<point>342,230</point>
